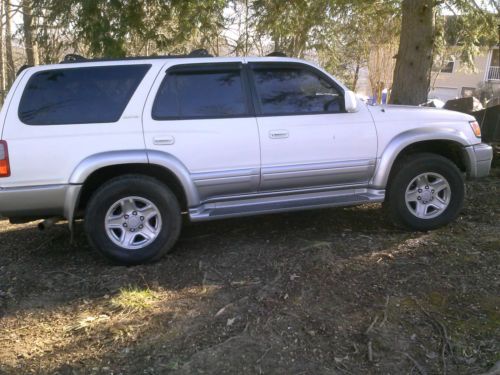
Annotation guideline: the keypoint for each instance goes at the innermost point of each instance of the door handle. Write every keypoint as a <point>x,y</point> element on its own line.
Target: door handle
<point>276,134</point>
<point>169,140</point>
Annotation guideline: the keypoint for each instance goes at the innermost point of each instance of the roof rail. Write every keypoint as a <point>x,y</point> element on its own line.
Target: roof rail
<point>200,52</point>
<point>75,58</point>
<point>277,54</point>
<point>22,68</point>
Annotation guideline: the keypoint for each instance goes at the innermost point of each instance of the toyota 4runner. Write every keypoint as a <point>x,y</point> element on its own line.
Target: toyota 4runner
<point>129,145</point>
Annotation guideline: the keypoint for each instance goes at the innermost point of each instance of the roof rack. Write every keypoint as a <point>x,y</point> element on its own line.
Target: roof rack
<point>75,58</point>
<point>22,68</point>
<point>277,54</point>
<point>201,52</point>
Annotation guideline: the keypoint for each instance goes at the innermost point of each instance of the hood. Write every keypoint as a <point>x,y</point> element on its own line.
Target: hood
<point>412,114</point>
<point>392,120</point>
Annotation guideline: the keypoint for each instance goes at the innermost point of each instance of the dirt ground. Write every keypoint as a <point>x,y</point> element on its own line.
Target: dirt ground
<point>337,291</point>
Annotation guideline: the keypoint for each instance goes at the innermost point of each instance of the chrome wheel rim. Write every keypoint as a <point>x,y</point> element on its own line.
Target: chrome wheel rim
<point>133,222</point>
<point>428,195</point>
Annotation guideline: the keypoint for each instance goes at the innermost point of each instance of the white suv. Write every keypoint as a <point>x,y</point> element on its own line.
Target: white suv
<point>131,144</point>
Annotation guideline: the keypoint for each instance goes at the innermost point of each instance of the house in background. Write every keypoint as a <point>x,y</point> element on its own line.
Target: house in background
<point>453,81</point>
<point>449,79</point>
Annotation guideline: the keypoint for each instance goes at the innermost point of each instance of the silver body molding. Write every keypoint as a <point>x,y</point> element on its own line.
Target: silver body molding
<point>163,159</point>
<point>71,203</point>
<point>33,201</point>
<point>480,157</point>
<point>317,174</point>
<point>175,166</point>
<point>405,139</point>
<point>105,159</point>
<point>295,200</point>
<point>210,184</point>
<point>216,195</point>
<point>62,199</point>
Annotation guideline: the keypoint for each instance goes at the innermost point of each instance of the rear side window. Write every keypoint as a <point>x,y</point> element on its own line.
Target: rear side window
<point>200,94</point>
<point>289,90</point>
<point>79,95</point>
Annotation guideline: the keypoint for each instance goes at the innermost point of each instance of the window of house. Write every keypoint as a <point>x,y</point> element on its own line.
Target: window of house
<point>467,92</point>
<point>495,57</point>
<point>494,68</point>
<point>79,95</point>
<point>448,67</point>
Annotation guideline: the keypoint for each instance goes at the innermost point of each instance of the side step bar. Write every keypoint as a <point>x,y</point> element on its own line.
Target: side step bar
<point>284,203</point>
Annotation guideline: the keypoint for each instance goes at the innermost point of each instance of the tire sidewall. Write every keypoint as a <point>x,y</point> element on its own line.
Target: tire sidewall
<point>117,189</point>
<point>410,170</point>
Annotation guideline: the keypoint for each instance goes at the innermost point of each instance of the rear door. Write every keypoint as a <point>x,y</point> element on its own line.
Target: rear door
<point>307,138</point>
<point>202,115</point>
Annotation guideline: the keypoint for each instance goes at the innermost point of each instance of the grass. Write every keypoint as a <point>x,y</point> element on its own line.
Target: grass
<point>132,299</point>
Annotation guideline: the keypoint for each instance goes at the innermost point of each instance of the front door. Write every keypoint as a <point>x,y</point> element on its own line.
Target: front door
<point>307,139</point>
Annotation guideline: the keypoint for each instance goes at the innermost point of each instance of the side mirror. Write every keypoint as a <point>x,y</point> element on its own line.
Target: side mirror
<point>351,102</point>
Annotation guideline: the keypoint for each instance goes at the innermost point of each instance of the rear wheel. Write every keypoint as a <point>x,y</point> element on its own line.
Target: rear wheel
<point>133,219</point>
<point>425,192</point>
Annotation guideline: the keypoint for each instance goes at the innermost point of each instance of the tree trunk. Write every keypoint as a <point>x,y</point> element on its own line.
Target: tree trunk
<point>11,75</point>
<point>29,43</point>
<point>247,20</point>
<point>414,59</point>
<point>277,45</point>
<point>356,76</point>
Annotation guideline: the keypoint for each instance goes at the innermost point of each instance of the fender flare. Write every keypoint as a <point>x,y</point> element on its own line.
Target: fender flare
<point>105,159</point>
<point>98,161</point>
<point>174,165</point>
<point>407,138</point>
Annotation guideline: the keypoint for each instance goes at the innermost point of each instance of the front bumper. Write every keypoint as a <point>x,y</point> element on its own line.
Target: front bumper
<point>480,157</point>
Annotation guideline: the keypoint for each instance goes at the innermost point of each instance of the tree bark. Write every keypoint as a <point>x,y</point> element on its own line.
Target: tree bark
<point>356,76</point>
<point>414,59</point>
<point>277,44</point>
<point>29,43</point>
<point>10,69</point>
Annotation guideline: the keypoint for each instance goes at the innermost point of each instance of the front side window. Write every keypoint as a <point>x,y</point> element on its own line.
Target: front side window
<point>200,94</point>
<point>79,95</point>
<point>291,90</point>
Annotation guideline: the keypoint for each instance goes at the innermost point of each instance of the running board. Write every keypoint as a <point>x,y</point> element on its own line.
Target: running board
<point>284,203</point>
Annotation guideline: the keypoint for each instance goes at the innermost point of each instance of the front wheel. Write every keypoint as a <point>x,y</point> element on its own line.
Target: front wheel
<point>426,192</point>
<point>133,219</point>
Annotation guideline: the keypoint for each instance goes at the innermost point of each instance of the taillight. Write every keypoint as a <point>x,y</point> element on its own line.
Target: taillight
<point>4,160</point>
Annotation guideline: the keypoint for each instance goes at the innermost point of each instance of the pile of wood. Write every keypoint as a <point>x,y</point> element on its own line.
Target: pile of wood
<point>488,118</point>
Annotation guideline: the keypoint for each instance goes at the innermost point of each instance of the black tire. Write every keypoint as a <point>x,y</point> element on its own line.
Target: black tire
<point>408,169</point>
<point>139,186</point>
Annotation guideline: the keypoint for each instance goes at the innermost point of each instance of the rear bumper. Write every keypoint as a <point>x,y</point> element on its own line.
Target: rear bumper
<point>39,201</point>
<point>480,157</point>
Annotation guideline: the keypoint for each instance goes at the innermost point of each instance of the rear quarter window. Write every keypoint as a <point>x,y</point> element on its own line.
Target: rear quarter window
<point>79,95</point>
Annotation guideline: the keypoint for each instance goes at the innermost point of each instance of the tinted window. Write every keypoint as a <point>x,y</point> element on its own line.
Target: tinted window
<point>79,95</point>
<point>200,94</point>
<point>295,90</point>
